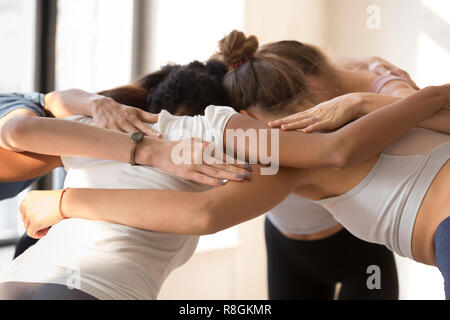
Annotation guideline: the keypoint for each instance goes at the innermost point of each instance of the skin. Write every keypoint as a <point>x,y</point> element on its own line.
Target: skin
<point>353,149</point>
<point>22,130</point>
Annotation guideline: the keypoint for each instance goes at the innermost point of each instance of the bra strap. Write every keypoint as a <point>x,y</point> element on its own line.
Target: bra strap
<point>381,81</point>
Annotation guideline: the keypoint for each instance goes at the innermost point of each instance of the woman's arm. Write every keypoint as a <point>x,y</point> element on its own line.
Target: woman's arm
<point>105,112</point>
<point>439,121</point>
<point>219,208</point>
<point>21,130</point>
<point>24,166</point>
<point>335,113</point>
<point>162,210</point>
<point>356,141</point>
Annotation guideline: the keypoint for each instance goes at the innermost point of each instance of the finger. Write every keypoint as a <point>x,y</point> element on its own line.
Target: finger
<point>216,173</point>
<point>231,164</point>
<point>147,116</point>
<point>290,119</point>
<point>113,126</point>
<point>26,224</point>
<point>382,69</point>
<point>241,169</point>
<point>127,127</point>
<point>317,126</point>
<point>23,210</point>
<point>405,75</point>
<point>146,129</point>
<point>201,178</point>
<point>31,232</point>
<point>300,124</point>
<point>42,233</point>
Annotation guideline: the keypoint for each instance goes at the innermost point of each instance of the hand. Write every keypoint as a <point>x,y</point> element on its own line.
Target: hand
<point>158,153</point>
<point>328,115</point>
<point>40,211</point>
<point>109,114</point>
<point>380,67</point>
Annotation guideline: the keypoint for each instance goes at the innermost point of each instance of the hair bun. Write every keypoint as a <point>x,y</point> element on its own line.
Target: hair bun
<point>236,47</point>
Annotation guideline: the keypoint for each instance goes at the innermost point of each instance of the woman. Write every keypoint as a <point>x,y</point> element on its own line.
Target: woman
<point>175,88</point>
<point>314,217</point>
<point>18,115</point>
<point>207,211</point>
<point>298,229</point>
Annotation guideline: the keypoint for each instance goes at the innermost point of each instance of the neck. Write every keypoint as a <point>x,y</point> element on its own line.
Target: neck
<point>354,81</point>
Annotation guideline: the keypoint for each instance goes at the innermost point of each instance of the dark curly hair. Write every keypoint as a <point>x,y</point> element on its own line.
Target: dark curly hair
<point>179,89</point>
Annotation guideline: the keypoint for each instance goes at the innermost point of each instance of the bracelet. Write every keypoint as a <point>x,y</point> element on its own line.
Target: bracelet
<point>60,203</point>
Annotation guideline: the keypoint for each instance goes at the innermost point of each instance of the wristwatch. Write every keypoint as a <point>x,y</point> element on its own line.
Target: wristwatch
<point>136,138</point>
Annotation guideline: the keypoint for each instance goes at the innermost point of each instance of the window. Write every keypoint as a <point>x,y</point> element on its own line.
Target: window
<point>94,51</point>
<point>16,62</point>
<point>93,44</point>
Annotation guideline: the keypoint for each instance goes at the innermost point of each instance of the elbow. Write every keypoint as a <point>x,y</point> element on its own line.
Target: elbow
<point>206,219</point>
<point>14,132</point>
<point>341,160</point>
<point>339,154</point>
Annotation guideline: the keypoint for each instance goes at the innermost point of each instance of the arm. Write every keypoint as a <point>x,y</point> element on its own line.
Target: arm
<point>216,209</point>
<point>106,112</point>
<point>339,111</point>
<point>439,121</point>
<point>374,65</point>
<point>192,213</point>
<point>21,131</point>
<point>360,139</point>
<point>25,166</point>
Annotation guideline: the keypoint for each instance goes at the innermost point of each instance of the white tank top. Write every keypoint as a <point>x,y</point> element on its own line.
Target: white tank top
<point>112,261</point>
<point>297,215</point>
<point>383,206</point>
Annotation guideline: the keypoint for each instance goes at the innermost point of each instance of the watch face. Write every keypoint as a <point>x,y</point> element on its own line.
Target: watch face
<point>137,136</point>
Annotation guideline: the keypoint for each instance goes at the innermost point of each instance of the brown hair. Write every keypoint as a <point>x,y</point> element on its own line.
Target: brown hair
<point>272,76</point>
<point>179,89</point>
<point>136,94</point>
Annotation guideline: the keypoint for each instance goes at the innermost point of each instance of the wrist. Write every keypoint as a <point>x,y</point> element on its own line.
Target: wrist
<point>359,104</point>
<point>147,151</point>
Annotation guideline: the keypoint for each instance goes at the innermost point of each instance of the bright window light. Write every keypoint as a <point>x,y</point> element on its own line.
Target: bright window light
<point>433,62</point>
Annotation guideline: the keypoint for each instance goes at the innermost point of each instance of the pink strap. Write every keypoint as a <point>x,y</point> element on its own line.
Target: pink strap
<point>381,81</point>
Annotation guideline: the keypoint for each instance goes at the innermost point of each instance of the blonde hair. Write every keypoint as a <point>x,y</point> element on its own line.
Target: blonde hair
<point>268,77</point>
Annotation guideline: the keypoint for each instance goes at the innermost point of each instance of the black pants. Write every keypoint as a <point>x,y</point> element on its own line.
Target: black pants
<point>40,291</point>
<point>24,243</point>
<point>311,269</point>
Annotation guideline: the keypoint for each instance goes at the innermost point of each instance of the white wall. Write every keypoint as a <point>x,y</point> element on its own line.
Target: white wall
<point>413,34</point>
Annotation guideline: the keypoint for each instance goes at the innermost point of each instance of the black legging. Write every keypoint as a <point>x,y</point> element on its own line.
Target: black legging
<point>24,243</point>
<point>311,269</point>
<point>40,291</point>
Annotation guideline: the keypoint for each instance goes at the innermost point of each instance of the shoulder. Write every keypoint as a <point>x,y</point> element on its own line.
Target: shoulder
<point>31,101</point>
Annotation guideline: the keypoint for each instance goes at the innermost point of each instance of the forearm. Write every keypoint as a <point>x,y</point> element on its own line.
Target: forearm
<point>183,212</point>
<point>439,121</point>
<point>67,138</point>
<point>372,133</point>
<point>70,102</point>
<point>156,210</point>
